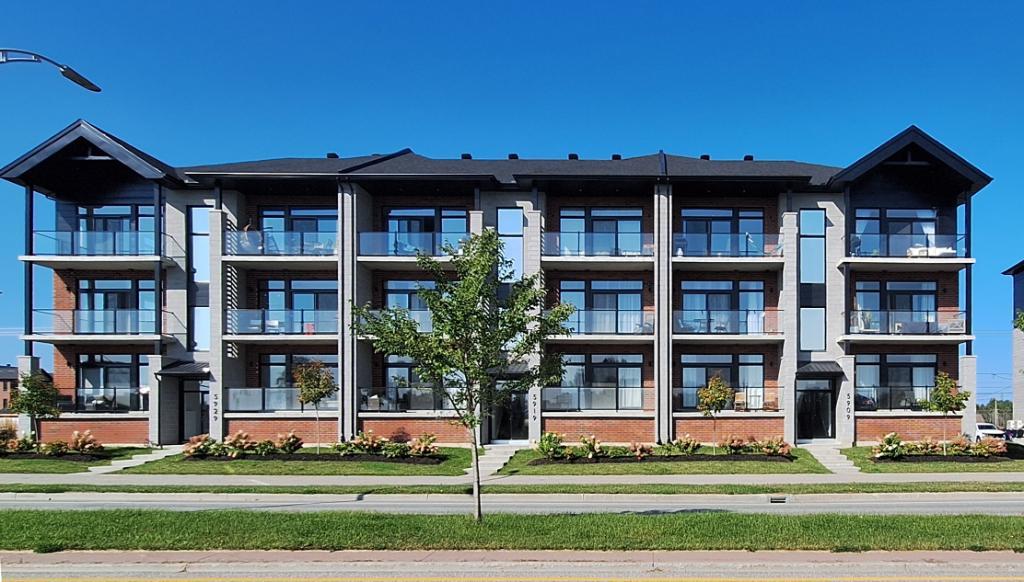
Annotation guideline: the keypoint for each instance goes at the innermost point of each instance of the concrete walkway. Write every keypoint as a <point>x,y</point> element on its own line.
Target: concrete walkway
<point>137,460</point>
<point>829,455</point>
<point>494,458</point>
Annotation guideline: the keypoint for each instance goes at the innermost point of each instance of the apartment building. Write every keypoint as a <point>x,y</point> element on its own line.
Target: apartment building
<point>183,297</point>
<point>1017,272</point>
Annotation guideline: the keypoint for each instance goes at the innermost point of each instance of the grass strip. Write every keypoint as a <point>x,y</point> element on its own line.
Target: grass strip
<point>648,489</point>
<point>250,530</point>
<point>861,456</point>
<point>456,462</point>
<point>804,463</point>
<point>58,465</point>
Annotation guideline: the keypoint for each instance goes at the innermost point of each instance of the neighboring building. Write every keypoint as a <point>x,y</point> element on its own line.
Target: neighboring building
<point>1017,272</point>
<point>9,378</point>
<point>183,297</point>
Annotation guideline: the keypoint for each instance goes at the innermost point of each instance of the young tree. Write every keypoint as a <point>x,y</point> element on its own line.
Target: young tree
<point>711,399</point>
<point>36,397</point>
<point>314,383</point>
<point>478,332</point>
<point>1018,320</point>
<point>946,399</point>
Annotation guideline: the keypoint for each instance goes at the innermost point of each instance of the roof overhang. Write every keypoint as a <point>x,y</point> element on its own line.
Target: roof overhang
<point>186,371</point>
<point>819,370</point>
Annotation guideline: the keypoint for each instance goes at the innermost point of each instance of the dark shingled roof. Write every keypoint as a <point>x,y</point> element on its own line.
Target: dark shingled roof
<point>282,166</point>
<point>820,369</point>
<point>186,370</point>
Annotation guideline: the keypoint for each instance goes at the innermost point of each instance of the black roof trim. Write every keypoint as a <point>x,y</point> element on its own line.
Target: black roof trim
<point>135,159</point>
<point>180,369</point>
<point>1018,268</point>
<point>376,160</point>
<point>913,135</point>
<point>820,369</point>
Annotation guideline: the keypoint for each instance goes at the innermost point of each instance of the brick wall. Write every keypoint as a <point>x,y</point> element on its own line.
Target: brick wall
<point>121,431</point>
<point>410,428</point>
<point>268,428</point>
<point>703,429</point>
<point>556,201</point>
<point>608,430</point>
<point>910,427</point>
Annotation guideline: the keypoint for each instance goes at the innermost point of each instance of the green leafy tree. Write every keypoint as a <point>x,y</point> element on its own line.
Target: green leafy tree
<point>478,331</point>
<point>946,398</point>
<point>711,400</point>
<point>1018,321</point>
<point>315,383</point>
<point>36,397</point>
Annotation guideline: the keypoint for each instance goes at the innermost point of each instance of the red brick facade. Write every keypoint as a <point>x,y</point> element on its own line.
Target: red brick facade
<point>910,427</point>
<point>704,430</point>
<point>609,430</point>
<point>120,431</point>
<point>268,428</point>
<point>410,428</point>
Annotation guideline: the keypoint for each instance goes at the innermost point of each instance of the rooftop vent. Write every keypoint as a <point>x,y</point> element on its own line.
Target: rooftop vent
<point>332,156</point>
<point>705,156</point>
<point>513,156</point>
<point>616,156</point>
<point>467,156</point>
<point>574,156</point>
<point>748,158</point>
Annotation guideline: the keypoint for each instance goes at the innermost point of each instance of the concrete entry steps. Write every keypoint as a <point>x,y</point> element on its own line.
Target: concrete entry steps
<point>494,458</point>
<point>827,453</point>
<point>137,460</point>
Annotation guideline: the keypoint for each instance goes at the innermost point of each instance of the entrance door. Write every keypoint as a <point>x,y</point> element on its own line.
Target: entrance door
<point>510,421</point>
<point>195,409</point>
<point>815,409</point>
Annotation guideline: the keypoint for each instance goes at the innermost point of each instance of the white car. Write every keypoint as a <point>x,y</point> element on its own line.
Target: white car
<point>988,430</point>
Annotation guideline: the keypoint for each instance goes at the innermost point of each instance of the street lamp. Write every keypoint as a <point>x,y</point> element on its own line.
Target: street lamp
<point>20,56</point>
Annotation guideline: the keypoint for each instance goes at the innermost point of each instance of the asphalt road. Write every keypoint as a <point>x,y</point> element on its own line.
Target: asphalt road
<point>888,503</point>
<point>495,566</point>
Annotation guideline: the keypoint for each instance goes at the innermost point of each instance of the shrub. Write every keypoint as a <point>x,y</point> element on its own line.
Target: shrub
<point>8,431</point>
<point>368,442</point>
<point>288,443</point>
<point>774,447</point>
<point>734,443</point>
<point>238,444</point>
<point>55,448</point>
<point>264,448</point>
<point>346,449</point>
<point>891,447</point>
<point>640,450</point>
<point>423,446</point>
<point>200,446</point>
<point>394,450</point>
<point>25,444</point>
<point>684,446</point>
<point>960,445</point>
<point>550,445</point>
<point>84,442</point>
<point>591,447</point>
<point>924,446</point>
<point>989,446</point>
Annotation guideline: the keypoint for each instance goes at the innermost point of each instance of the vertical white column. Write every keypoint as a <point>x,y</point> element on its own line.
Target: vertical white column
<point>532,234</point>
<point>969,382</point>
<point>845,421</point>
<point>347,355</point>
<point>788,302</point>
<point>156,363</point>
<point>217,379</point>
<point>663,312</point>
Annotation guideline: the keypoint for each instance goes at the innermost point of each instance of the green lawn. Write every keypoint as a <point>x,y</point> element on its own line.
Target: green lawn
<point>804,463</point>
<point>253,530</point>
<point>58,465</point>
<point>861,456</point>
<point>645,489</point>
<point>458,459</point>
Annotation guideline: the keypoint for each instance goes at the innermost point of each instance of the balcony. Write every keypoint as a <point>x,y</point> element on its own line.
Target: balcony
<point>612,326</point>
<point>101,249</point>
<point>586,398</point>
<point>907,252</point>
<point>274,248</point>
<point>727,251</point>
<point>106,400</point>
<point>270,400</point>
<point>262,325</point>
<point>744,399</point>
<point>398,250</point>
<point>102,326</point>
<point>750,325</point>
<point>896,326</point>
<point>422,317</point>
<point>401,399</point>
<point>872,398</point>
<point>598,250</point>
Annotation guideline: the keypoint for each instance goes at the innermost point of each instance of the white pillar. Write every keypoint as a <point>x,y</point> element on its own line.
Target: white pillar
<point>788,303</point>
<point>845,419</point>
<point>156,363</point>
<point>969,381</point>
<point>663,312</point>
<point>217,306</point>
<point>348,356</point>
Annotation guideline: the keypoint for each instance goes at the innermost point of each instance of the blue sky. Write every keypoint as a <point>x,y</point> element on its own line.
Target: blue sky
<point>197,81</point>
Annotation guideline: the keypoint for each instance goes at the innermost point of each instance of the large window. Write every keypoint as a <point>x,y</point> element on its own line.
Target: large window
<point>614,307</point>
<point>900,307</point>
<point>893,381</point>
<point>721,307</point>
<point>510,230</point>
<point>112,383</point>
<point>403,390</point>
<point>120,229</point>
<point>299,230</point>
<point>598,382</point>
<point>898,232</point>
<point>601,231</point>
<point>428,230</point>
<point>721,232</point>
<point>110,306</point>
<point>744,372</point>
<point>276,391</point>
<point>199,283</point>
<point>404,294</point>
<point>812,280</point>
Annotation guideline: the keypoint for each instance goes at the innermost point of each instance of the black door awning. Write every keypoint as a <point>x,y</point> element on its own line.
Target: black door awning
<point>819,369</point>
<point>186,371</point>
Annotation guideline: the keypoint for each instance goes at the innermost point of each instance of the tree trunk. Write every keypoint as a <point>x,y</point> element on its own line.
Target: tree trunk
<point>316,414</point>
<point>34,422</point>
<point>477,510</point>
<point>714,435</point>
<point>944,434</point>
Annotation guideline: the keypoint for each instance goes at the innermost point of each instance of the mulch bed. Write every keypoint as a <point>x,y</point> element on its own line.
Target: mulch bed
<point>944,458</point>
<point>328,457</point>
<point>663,459</point>
<point>67,457</point>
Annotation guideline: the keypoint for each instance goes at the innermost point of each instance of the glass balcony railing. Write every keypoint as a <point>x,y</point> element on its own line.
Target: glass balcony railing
<point>891,397</point>
<point>102,244</point>
<point>749,398</point>
<point>401,399</point>
<point>276,243</point>
<point>739,322</point>
<point>577,398</point>
<point>408,244</point>
<point>908,322</point>
<point>422,317</point>
<point>727,245</point>
<point>281,321</point>
<point>100,321</point>
<point>122,399</point>
<point>615,322</point>
<point>915,246</point>
<point>270,400</point>
<point>598,244</point>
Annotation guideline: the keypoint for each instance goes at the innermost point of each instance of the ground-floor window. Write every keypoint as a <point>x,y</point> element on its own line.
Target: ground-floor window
<point>403,390</point>
<point>598,382</point>
<point>276,391</point>
<point>893,381</point>
<point>743,372</point>
<point>111,383</point>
